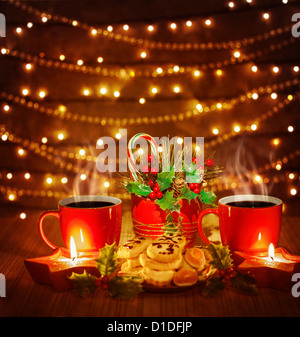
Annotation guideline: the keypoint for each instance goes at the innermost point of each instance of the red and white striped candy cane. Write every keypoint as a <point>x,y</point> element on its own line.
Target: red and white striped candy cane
<point>130,148</point>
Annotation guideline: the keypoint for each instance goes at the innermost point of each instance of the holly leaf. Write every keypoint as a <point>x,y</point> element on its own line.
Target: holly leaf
<point>207,197</point>
<point>168,202</point>
<point>188,194</point>
<point>123,288</point>
<point>106,262</point>
<point>164,179</point>
<point>83,283</point>
<point>212,286</point>
<point>245,283</point>
<point>221,256</point>
<point>135,187</point>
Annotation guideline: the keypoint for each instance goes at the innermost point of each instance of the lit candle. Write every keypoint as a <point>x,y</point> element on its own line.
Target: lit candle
<point>271,269</point>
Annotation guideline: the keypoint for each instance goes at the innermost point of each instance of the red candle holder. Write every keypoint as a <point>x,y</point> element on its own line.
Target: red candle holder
<point>272,271</point>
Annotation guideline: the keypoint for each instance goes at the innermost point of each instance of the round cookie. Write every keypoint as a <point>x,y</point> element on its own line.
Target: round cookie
<point>163,252</point>
<point>152,264</point>
<point>179,240</point>
<point>158,278</point>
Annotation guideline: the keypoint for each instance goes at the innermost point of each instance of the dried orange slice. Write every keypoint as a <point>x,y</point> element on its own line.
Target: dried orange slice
<point>185,277</point>
<point>195,257</point>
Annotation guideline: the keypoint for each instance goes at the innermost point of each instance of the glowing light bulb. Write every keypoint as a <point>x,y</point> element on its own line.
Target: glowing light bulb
<point>29,25</point>
<point>6,108</point>
<point>110,28</point>
<point>275,69</point>
<point>154,90</point>
<point>83,176</point>
<point>86,92</point>
<point>150,28</point>
<point>266,16</point>
<point>293,191</point>
<point>22,215</point>
<point>199,107</point>
<point>74,23</point>
<point>11,197</point>
<point>253,127</point>
<point>100,59</point>
<point>125,27</point>
<point>208,22</point>
<point>118,135</point>
<point>62,57</point>
<point>28,66</point>
<point>176,69</point>
<point>64,180</point>
<point>176,89</point>
<point>94,32</point>
<point>215,131</point>
<point>290,128</point>
<point>106,184</point>
<point>254,69</point>
<point>159,70</point>
<point>60,136</point>
<point>197,73</point>
<point>290,97</point>
<point>3,51</point>
<point>291,176</point>
<point>237,54</point>
<point>255,96</point>
<point>189,23</point>
<point>44,140</point>
<point>237,128</point>
<point>258,178</point>
<point>27,175</point>
<point>219,72</point>
<point>44,19</point>
<point>296,69</point>
<point>9,175</point>
<point>103,91</point>
<point>160,149</point>
<point>19,30</point>
<point>4,137</point>
<point>179,140</point>
<point>25,92</point>
<point>173,25</point>
<point>275,141</point>
<point>273,95</point>
<point>116,94</point>
<point>49,180</point>
<point>82,152</point>
<point>231,4</point>
<point>80,62</point>
<point>143,54</point>
<point>42,94</point>
<point>142,100</point>
<point>21,152</point>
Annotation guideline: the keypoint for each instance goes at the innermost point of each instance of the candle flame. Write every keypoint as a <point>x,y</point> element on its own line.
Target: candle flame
<point>271,251</point>
<point>73,250</point>
<point>259,236</point>
<point>81,236</point>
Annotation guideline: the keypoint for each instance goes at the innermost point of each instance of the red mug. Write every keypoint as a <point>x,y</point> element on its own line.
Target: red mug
<point>92,220</point>
<point>247,222</point>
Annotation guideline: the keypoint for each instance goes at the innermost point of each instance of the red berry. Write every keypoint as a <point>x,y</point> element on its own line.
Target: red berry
<point>149,158</point>
<point>104,279</point>
<point>104,286</point>
<point>98,282</point>
<point>209,162</point>
<point>156,189</point>
<point>222,273</point>
<point>197,185</point>
<point>150,182</point>
<point>196,190</point>
<point>145,169</point>
<point>152,195</point>
<point>195,160</point>
<point>191,186</point>
<point>229,271</point>
<point>154,170</point>
<point>159,195</point>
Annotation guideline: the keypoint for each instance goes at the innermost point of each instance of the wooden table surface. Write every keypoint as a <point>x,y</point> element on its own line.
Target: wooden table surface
<point>19,239</point>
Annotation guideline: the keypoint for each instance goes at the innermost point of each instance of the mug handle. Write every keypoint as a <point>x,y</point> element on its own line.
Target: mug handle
<point>201,215</point>
<point>42,217</point>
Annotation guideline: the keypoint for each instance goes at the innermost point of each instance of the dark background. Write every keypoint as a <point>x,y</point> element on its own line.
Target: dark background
<point>242,155</point>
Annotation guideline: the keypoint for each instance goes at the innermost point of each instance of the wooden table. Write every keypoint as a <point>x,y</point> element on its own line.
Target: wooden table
<point>19,239</point>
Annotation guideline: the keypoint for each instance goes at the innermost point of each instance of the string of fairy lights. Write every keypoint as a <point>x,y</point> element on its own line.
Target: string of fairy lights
<point>71,159</point>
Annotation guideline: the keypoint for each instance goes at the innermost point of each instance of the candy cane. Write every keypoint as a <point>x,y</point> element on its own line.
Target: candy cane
<point>130,147</point>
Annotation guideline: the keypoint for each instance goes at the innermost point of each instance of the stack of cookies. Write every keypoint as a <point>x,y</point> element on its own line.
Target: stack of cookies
<point>161,261</point>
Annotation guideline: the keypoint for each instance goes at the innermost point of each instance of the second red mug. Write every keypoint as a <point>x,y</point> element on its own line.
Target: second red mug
<point>247,222</point>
